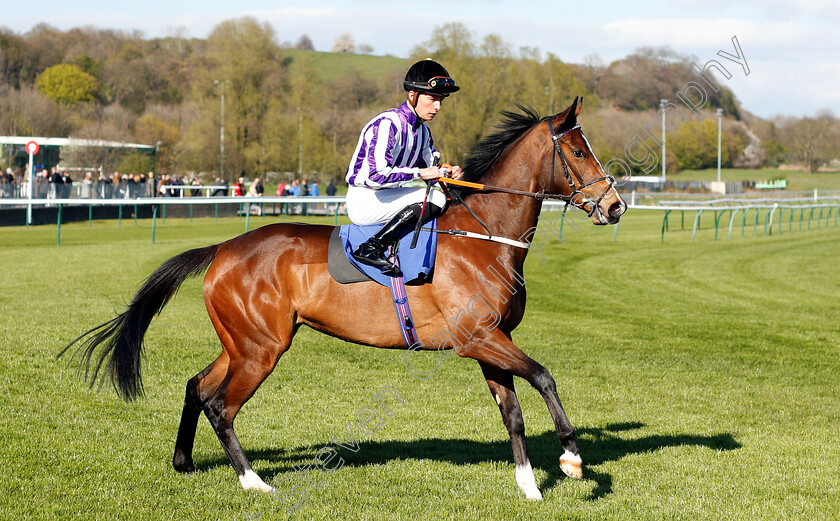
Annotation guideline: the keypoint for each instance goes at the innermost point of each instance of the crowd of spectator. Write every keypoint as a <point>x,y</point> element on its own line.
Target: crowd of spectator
<point>56,183</point>
<point>302,188</point>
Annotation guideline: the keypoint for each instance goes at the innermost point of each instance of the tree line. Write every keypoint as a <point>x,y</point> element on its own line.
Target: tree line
<point>281,115</point>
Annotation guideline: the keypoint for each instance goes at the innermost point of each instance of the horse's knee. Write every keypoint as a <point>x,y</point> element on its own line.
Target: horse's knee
<point>543,381</point>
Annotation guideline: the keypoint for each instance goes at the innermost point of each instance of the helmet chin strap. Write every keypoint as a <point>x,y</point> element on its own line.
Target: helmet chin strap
<point>413,105</point>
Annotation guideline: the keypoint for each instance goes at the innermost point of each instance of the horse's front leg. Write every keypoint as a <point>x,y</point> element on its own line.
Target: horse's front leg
<point>502,353</point>
<point>501,386</point>
<point>570,462</point>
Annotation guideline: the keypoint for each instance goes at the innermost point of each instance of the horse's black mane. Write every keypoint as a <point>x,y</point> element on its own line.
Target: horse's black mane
<point>486,152</point>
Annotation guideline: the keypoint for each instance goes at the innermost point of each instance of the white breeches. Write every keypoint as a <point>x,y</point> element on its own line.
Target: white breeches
<point>369,206</point>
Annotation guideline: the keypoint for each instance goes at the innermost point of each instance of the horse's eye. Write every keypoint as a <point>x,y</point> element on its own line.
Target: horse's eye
<point>579,153</point>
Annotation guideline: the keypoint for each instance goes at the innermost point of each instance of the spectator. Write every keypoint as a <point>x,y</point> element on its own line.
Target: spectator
<point>177,181</point>
<point>256,188</point>
<point>66,185</point>
<point>163,186</point>
<point>8,183</point>
<point>221,191</point>
<point>239,188</point>
<point>331,190</point>
<point>103,187</point>
<point>281,189</point>
<point>295,191</point>
<point>87,186</point>
<point>118,188</point>
<point>130,186</point>
<point>137,187</point>
<point>55,183</point>
<point>127,183</point>
<point>42,184</point>
<point>143,186</point>
<point>314,192</point>
<point>304,188</point>
<point>150,184</point>
<point>195,191</point>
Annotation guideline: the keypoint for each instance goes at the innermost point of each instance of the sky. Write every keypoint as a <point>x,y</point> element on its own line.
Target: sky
<point>790,49</point>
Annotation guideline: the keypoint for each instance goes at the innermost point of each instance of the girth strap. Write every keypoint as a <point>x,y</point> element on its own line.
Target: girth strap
<point>406,323</point>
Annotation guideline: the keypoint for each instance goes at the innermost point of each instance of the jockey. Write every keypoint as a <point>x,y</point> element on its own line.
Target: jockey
<point>395,148</point>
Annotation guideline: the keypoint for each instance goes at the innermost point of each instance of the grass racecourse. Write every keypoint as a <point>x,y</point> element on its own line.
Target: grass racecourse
<point>702,377</point>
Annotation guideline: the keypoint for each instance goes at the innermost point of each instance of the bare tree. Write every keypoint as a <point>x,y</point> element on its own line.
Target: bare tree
<point>812,139</point>
<point>304,43</point>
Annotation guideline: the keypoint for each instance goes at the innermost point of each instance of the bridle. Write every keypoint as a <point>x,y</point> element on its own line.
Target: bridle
<point>577,189</point>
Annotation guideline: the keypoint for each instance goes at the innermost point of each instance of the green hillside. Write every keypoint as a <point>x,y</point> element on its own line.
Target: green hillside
<point>332,66</point>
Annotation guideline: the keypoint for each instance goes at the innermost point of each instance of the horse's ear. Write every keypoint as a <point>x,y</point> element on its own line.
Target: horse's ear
<point>572,114</point>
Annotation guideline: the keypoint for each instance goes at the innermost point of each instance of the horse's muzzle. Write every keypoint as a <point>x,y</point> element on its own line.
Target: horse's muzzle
<point>609,215</point>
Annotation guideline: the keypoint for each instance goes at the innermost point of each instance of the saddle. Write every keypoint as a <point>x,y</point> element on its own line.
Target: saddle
<point>416,264</point>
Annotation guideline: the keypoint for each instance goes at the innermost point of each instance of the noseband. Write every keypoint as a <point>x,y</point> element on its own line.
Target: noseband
<point>577,189</point>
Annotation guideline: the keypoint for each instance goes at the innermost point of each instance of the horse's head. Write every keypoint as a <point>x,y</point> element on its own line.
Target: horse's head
<point>575,172</point>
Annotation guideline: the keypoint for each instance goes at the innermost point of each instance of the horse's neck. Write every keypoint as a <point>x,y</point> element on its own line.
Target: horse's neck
<point>505,215</point>
<point>511,215</point>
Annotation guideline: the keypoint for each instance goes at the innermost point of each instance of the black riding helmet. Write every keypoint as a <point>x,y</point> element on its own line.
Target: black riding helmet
<point>430,77</point>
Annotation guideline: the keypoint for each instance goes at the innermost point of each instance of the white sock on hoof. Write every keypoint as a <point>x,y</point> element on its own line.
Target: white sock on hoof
<point>571,465</point>
<point>527,483</point>
<point>250,481</point>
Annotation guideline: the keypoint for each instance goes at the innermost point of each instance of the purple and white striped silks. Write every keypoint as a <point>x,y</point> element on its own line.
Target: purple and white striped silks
<point>392,149</point>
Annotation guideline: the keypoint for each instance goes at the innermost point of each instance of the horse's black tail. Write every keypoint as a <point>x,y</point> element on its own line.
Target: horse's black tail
<point>121,338</point>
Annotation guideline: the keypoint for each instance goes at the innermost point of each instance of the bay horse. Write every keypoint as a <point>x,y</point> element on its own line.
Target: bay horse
<point>262,286</point>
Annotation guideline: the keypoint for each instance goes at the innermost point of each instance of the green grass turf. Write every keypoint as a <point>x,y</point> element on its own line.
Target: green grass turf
<point>702,378</point>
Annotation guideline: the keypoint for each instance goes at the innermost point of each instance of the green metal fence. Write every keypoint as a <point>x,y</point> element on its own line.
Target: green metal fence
<point>765,219</point>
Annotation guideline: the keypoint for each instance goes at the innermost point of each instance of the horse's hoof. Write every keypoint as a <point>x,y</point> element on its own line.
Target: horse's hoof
<point>527,483</point>
<point>184,467</point>
<point>250,481</point>
<point>571,465</point>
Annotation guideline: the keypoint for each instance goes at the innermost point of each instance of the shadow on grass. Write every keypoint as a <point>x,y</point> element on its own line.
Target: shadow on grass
<point>597,445</point>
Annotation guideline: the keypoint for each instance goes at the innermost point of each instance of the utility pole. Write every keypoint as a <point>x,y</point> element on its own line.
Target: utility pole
<point>719,114</point>
<point>300,142</point>
<point>222,85</point>
<point>662,103</point>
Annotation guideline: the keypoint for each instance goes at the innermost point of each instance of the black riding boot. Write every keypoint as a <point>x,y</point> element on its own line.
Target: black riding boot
<point>372,252</point>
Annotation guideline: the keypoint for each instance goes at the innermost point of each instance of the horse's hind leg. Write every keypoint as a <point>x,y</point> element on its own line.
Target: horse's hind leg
<point>243,378</point>
<point>199,389</point>
<point>501,386</point>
